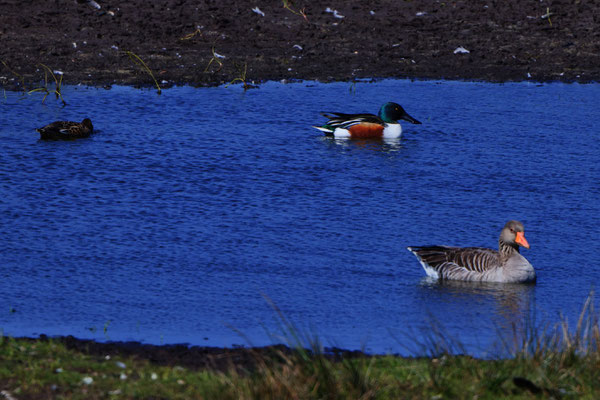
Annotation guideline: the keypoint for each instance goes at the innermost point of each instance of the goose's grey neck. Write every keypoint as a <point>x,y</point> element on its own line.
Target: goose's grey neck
<point>507,249</point>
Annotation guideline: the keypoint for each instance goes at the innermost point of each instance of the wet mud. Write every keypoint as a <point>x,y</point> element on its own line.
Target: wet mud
<point>212,42</point>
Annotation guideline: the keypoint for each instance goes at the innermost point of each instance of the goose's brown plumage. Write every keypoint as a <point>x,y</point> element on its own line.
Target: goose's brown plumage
<point>66,130</point>
<point>477,263</point>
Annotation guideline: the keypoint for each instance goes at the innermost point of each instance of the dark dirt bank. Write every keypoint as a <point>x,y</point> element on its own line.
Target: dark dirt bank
<point>193,357</point>
<point>506,40</point>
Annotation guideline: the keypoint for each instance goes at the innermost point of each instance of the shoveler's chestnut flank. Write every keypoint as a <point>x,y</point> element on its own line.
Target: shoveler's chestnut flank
<point>478,263</point>
<point>383,125</point>
<point>66,130</point>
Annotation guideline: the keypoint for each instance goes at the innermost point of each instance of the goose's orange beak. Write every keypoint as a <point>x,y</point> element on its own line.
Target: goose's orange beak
<point>521,240</point>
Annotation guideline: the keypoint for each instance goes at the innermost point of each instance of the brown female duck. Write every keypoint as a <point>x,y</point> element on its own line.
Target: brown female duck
<point>66,130</point>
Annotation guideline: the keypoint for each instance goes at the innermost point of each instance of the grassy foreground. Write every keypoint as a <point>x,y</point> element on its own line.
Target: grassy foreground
<point>556,363</point>
<point>47,369</point>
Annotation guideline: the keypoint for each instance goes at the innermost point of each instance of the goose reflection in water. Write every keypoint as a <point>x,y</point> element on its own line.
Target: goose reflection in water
<point>512,315</point>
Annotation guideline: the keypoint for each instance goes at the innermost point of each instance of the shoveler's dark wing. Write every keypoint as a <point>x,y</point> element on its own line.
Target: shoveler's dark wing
<point>440,258</point>
<point>341,120</point>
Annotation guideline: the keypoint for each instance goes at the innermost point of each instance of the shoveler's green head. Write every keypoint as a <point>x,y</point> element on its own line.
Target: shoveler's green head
<point>392,112</point>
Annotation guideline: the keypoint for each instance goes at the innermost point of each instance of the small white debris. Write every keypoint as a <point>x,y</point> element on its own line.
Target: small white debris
<point>334,12</point>
<point>528,75</point>
<point>561,74</point>
<point>372,12</point>
<point>111,13</point>
<point>413,61</point>
<point>94,4</point>
<point>120,364</point>
<point>153,376</point>
<point>58,370</point>
<point>87,380</point>
<point>74,45</point>
<point>257,10</point>
<point>115,392</point>
<point>123,376</point>
<point>107,357</point>
<point>421,13</point>
<point>114,47</point>
<point>218,55</point>
<point>289,69</point>
<point>180,382</point>
<point>57,72</point>
<point>461,50</point>
<point>6,394</point>
<point>547,15</point>
<point>297,46</point>
<point>164,82</point>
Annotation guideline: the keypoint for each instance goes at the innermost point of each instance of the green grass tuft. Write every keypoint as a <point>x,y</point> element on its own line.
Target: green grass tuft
<point>548,363</point>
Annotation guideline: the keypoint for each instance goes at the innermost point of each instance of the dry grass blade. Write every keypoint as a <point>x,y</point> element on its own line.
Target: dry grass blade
<point>215,58</point>
<point>137,60</point>
<point>191,35</point>
<point>57,82</point>
<point>242,70</point>
<point>288,5</point>
<point>19,76</point>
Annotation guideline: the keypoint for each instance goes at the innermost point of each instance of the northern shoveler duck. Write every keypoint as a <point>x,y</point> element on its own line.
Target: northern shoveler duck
<point>478,263</point>
<point>66,130</point>
<point>383,125</point>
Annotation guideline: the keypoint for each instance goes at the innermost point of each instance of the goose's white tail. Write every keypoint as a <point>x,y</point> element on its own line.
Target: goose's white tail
<point>428,269</point>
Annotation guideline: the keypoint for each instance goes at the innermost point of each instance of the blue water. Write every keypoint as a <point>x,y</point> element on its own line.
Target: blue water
<point>187,214</point>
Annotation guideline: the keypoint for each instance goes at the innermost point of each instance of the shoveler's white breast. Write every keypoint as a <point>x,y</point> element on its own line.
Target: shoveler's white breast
<point>341,133</point>
<point>392,131</point>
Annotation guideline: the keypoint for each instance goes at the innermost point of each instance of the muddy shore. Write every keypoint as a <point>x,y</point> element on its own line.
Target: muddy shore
<point>211,42</point>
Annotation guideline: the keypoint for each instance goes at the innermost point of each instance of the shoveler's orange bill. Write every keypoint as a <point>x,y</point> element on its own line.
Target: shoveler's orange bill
<point>366,130</point>
<point>521,240</point>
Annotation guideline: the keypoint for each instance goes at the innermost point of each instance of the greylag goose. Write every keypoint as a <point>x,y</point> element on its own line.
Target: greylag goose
<point>66,130</point>
<point>478,263</point>
<point>361,126</point>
